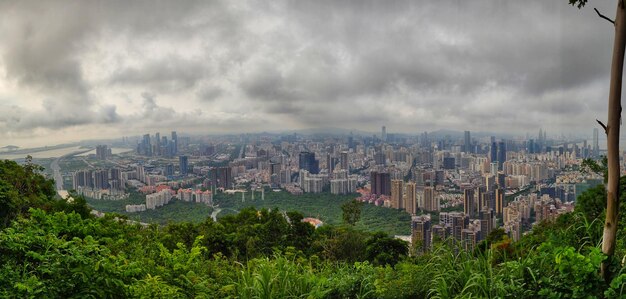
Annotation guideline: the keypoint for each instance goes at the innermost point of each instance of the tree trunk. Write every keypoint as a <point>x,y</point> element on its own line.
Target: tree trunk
<point>612,132</point>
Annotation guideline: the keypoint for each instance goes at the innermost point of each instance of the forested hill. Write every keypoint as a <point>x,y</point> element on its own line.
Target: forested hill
<point>54,249</point>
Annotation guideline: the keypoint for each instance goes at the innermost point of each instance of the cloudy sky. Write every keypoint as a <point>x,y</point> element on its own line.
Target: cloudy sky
<point>72,70</point>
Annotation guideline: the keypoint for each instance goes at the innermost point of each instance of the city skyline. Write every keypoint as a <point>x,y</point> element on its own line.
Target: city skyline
<point>72,70</point>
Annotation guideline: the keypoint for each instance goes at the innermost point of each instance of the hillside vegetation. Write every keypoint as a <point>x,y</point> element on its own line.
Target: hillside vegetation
<point>51,248</point>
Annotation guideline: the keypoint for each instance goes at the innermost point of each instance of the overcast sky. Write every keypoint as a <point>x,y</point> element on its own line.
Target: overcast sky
<point>72,70</point>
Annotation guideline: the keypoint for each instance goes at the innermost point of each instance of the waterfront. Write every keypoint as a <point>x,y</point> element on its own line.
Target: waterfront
<point>57,152</point>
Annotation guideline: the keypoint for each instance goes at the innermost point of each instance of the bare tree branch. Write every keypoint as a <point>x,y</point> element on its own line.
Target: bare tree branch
<point>603,126</point>
<point>603,16</point>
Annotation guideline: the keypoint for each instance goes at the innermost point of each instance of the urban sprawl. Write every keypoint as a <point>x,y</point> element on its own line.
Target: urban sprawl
<point>456,188</point>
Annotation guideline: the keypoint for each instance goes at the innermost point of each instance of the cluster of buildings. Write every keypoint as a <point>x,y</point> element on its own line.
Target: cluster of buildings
<point>199,196</point>
<point>100,183</point>
<point>525,210</point>
<point>466,230</point>
<point>103,152</point>
<point>418,174</point>
<point>158,145</point>
<point>164,195</point>
<point>339,182</point>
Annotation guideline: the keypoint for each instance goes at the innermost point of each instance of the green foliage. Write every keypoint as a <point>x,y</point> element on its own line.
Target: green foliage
<point>281,277</point>
<point>324,206</point>
<point>351,211</point>
<point>22,187</point>
<point>561,271</point>
<point>59,251</point>
<point>384,250</point>
<point>578,3</point>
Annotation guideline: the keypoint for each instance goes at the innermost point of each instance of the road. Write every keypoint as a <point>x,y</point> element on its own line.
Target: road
<point>58,178</point>
<point>215,212</point>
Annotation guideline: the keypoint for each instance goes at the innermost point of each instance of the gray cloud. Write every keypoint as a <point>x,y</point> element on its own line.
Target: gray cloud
<point>168,75</point>
<point>481,65</point>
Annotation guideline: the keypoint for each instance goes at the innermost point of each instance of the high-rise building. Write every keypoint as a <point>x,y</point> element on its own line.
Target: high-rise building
<point>410,196</point>
<point>531,146</point>
<point>380,183</point>
<point>141,173</point>
<point>157,143</point>
<point>221,177</point>
<point>490,181</point>
<point>468,143</point>
<point>168,170</point>
<point>470,237</point>
<point>351,143</point>
<point>379,158</point>
<point>458,222</point>
<point>486,199</point>
<point>102,152</point>
<point>397,201</point>
<point>275,168</point>
<point>431,201</point>
<point>494,152</point>
<point>596,145</point>
<point>331,163</point>
<point>175,143</point>
<point>344,161</point>
<point>448,163</point>
<point>469,202</point>
<point>101,179</point>
<point>145,146</point>
<point>421,232</point>
<point>183,165</point>
<point>307,162</point>
<point>115,179</point>
<point>501,154</point>
<point>383,135</point>
<point>487,219</point>
<point>499,201</point>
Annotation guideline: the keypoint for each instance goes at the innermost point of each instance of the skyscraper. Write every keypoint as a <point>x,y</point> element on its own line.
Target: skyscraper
<point>421,232</point>
<point>469,203</point>
<point>351,144</point>
<point>307,162</point>
<point>468,143</point>
<point>410,204</point>
<point>344,161</point>
<point>499,201</point>
<point>397,201</point>
<point>596,145</point>
<point>221,177</point>
<point>431,202</point>
<point>175,143</point>
<point>157,143</point>
<point>331,162</point>
<point>146,146</point>
<point>102,152</point>
<point>101,179</point>
<point>383,135</point>
<point>379,158</point>
<point>380,183</point>
<point>494,152</point>
<point>184,164</point>
<point>501,154</point>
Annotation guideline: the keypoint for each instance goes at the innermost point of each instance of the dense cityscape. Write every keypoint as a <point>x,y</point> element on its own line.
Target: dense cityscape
<point>455,188</point>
